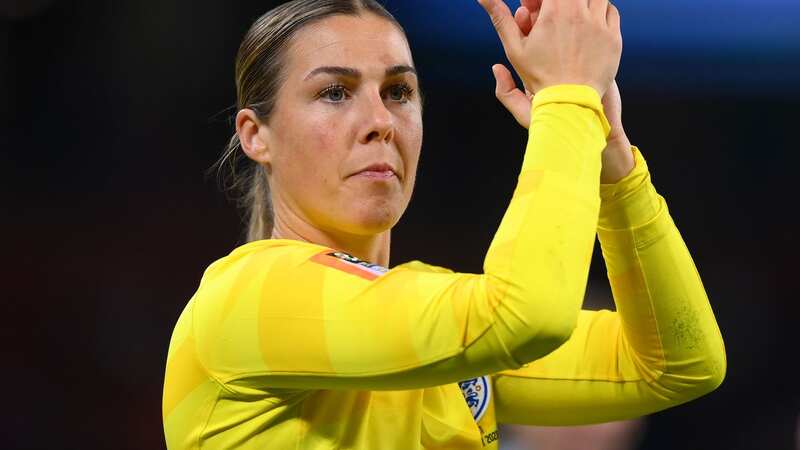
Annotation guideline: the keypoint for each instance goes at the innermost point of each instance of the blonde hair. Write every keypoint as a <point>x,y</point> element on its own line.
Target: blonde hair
<point>259,76</point>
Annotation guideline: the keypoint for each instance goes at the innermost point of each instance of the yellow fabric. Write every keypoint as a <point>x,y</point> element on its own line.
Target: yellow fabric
<point>288,345</point>
<point>661,348</point>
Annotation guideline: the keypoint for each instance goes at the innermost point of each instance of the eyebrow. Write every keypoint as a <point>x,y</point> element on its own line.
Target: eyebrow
<point>349,72</point>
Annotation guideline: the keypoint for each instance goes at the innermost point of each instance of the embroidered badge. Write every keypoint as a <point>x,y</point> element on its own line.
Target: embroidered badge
<point>349,264</point>
<point>477,393</point>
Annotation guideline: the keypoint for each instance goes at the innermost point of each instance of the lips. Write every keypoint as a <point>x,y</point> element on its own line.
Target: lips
<point>378,169</point>
<point>376,175</point>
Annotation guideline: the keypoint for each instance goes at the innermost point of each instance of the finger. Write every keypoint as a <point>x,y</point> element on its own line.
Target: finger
<point>612,17</point>
<point>532,5</point>
<point>513,99</point>
<point>535,7</point>
<point>547,8</point>
<point>598,8</point>
<point>523,19</point>
<point>504,23</point>
<point>567,6</point>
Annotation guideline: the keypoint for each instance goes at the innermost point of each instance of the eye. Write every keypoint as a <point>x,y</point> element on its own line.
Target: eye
<point>335,93</point>
<point>400,92</point>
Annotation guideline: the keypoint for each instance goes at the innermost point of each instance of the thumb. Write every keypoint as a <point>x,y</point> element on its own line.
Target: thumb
<point>513,99</point>
<point>504,82</point>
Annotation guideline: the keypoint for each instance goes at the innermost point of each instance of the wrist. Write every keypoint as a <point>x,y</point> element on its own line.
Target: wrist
<point>618,159</point>
<point>581,95</point>
<point>632,202</point>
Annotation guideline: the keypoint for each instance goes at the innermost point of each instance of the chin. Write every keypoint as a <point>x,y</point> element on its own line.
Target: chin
<point>373,221</point>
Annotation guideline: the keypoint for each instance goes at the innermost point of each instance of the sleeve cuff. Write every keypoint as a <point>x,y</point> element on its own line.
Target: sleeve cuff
<point>632,201</point>
<point>575,94</point>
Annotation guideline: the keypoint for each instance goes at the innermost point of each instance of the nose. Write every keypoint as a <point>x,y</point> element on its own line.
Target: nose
<point>378,121</point>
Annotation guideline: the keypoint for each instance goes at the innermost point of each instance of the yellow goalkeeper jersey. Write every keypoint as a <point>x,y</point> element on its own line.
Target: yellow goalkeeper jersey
<point>292,345</point>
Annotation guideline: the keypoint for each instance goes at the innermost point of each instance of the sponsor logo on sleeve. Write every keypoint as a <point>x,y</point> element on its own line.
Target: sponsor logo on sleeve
<point>349,264</point>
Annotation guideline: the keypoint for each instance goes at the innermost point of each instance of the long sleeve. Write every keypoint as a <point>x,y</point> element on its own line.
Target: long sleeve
<point>661,348</point>
<point>289,316</point>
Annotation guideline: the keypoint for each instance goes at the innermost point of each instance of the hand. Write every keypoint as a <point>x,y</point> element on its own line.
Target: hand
<point>518,103</point>
<point>612,106</point>
<point>617,156</point>
<point>569,41</point>
<point>527,14</point>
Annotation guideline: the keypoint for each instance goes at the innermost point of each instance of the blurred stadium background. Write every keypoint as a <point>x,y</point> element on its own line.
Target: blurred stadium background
<point>110,113</point>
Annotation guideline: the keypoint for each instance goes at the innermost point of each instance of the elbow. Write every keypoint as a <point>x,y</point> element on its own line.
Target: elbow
<point>560,329</point>
<point>715,367</point>
<point>706,383</point>
<point>699,382</point>
<point>714,375</point>
<point>532,323</point>
<point>546,339</point>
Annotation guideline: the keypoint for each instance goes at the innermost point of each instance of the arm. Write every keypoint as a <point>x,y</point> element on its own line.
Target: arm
<point>661,348</point>
<point>267,319</point>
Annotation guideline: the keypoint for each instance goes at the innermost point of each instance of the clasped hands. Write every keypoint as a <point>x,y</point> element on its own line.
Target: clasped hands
<point>551,42</point>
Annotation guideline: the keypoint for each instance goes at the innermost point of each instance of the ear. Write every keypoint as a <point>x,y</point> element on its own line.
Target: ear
<point>252,137</point>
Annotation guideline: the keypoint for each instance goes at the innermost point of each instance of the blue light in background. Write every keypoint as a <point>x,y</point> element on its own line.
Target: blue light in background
<point>712,44</point>
<point>713,25</point>
<point>708,25</point>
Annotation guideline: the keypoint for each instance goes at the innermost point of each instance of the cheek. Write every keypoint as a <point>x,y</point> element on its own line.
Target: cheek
<point>313,148</point>
<point>322,152</point>
<point>324,140</point>
<point>410,143</point>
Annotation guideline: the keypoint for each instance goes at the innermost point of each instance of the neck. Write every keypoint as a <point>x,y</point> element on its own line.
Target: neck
<point>372,248</point>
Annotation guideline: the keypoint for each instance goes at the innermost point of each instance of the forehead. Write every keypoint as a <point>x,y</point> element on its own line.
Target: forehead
<point>353,41</point>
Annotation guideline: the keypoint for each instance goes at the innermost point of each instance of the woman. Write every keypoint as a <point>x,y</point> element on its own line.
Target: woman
<point>302,338</point>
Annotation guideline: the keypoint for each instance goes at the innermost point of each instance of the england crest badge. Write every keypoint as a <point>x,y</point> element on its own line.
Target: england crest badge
<point>477,393</point>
